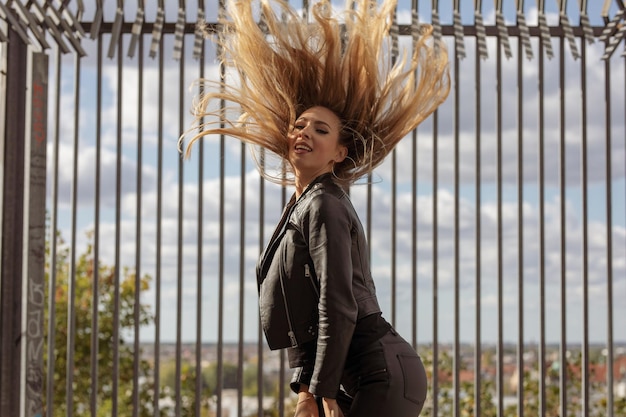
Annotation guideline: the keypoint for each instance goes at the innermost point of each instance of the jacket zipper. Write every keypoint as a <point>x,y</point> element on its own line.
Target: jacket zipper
<point>275,241</point>
<point>290,333</point>
<point>307,273</point>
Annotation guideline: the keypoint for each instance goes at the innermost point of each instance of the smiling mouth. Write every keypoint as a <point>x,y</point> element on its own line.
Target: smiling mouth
<point>302,148</point>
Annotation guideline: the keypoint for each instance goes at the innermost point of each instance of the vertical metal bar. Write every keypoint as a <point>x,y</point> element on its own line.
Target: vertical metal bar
<point>199,259</point>
<point>118,219</point>
<point>4,65</point>
<point>220,307</point>
<point>414,236</point>
<point>159,241</point>
<point>242,280</point>
<point>542,243</point>
<point>281,376</point>
<point>35,166</point>
<point>394,182</point>
<point>139,188</point>
<point>435,392</point>
<point>368,211</point>
<point>220,300</point>
<point>457,246</point>
<point>260,330</point>
<point>54,208</point>
<point>435,306</point>
<point>11,268</point>
<point>478,239</point>
<point>520,229</point>
<point>623,55</point>
<point>394,197</point>
<point>95,344</point>
<point>609,243</point>
<point>179,243</point>
<point>585,236</point>
<point>71,318</point>
<point>563,244</point>
<point>414,188</point>
<point>499,276</point>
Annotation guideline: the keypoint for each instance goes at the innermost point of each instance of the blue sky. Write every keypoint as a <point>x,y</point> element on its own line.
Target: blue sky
<point>380,239</point>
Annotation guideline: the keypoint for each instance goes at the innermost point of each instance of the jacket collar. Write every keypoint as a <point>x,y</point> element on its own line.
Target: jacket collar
<point>325,178</point>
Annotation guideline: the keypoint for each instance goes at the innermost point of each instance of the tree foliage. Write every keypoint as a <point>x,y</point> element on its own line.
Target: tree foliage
<point>85,322</point>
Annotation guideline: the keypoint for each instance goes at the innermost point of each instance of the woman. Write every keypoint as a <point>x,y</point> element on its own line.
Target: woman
<point>319,95</point>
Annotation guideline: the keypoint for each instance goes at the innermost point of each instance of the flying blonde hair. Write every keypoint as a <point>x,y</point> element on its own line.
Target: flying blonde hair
<point>287,64</point>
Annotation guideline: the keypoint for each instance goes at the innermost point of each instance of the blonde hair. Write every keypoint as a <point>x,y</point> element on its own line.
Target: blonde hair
<point>287,64</point>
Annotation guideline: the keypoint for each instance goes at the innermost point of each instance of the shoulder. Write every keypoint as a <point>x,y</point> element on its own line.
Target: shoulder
<point>324,199</point>
<point>324,195</point>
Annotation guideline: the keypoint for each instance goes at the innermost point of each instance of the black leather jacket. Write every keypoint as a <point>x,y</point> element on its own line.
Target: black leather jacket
<point>314,281</point>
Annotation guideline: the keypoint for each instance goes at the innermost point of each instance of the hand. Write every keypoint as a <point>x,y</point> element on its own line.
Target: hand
<point>306,406</point>
<point>331,408</point>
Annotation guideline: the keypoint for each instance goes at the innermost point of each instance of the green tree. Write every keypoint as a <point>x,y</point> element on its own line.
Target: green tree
<point>188,397</point>
<point>250,381</point>
<point>229,376</point>
<point>85,269</point>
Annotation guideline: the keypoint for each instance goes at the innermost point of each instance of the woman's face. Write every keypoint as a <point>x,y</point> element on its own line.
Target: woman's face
<point>314,143</point>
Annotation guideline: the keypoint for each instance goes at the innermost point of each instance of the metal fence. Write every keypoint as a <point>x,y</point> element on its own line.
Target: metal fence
<point>497,230</point>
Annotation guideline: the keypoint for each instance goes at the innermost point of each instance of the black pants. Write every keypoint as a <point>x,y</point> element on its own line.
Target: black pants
<point>387,378</point>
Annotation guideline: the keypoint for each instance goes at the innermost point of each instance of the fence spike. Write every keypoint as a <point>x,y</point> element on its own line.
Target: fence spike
<point>157,32</point>
<point>179,34</point>
<point>481,35</point>
<point>115,31</point>
<point>136,32</point>
<point>569,34</point>
<point>586,26</point>
<point>72,21</point>
<point>198,41</point>
<point>611,27</point>
<point>97,21</point>
<point>437,33</point>
<point>545,34</point>
<point>416,29</point>
<point>524,34</point>
<point>15,23</point>
<point>80,10</point>
<point>46,23</point>
<point>458,35</point>
<point>57,19</point>
<point>615,40</point>
<point>29,21</point>
<point>503,34</point>
<point>394,31</point>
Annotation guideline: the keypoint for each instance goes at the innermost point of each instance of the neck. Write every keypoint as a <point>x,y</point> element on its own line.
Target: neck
<point>303,181</point>
<point>301,185</point>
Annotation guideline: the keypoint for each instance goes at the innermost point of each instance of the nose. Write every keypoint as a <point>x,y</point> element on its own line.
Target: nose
<point>304,132</point>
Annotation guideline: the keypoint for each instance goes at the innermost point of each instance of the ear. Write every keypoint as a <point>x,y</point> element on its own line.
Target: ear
<point>342,152</point>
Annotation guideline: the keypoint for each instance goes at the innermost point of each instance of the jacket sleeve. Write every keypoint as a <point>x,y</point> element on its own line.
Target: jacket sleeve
<point>327,228</point>
<point>301,375</point>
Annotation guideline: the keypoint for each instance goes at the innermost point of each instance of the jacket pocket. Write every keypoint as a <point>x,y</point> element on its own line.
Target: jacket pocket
<point>273,309</point>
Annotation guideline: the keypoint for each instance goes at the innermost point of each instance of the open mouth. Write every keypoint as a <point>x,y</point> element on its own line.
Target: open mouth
<point>301,147</point>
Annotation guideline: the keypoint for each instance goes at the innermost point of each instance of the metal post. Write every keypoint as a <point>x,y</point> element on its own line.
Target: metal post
<point>12,227</point>
<point>33,282</point>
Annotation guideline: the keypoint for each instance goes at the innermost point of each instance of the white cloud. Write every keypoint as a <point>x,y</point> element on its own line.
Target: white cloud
<point>229,256</point>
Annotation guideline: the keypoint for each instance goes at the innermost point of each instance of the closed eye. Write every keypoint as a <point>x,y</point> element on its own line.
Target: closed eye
<point>318,130</point>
